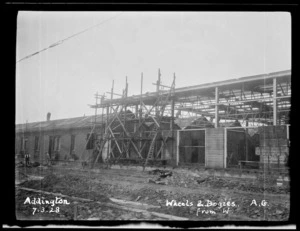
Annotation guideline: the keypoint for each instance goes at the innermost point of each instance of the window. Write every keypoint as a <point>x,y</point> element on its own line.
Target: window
<point>36,143</point>
<point>72,147</point>
<point>24,144</point>
<point>90,138</point>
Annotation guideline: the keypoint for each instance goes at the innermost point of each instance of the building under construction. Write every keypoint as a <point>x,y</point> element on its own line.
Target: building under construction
<point>240,122</point>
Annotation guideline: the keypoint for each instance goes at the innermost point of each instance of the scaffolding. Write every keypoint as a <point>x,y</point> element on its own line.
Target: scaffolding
<point>133,132</point>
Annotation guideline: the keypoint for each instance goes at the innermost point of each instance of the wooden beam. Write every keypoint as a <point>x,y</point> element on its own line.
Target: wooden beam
<point>115,139</point>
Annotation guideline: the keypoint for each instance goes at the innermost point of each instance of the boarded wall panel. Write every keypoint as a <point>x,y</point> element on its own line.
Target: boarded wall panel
<point>214,148</point>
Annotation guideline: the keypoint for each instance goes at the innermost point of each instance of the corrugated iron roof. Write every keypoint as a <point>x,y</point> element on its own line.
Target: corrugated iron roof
<point>77,122</point>
<point>74,123</point>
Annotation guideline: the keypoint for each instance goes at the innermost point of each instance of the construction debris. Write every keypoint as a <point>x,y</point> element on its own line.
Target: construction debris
<point>161,179</point>
<point>127,188</point>
<point>161,173</point>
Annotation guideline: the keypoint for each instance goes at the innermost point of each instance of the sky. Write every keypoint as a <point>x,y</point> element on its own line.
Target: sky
<point>199,47</point>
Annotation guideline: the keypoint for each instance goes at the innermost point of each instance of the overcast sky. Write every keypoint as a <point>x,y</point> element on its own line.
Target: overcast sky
<point>200,47</point>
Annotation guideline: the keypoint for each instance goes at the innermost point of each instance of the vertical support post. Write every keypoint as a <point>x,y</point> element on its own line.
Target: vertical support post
<point>126,87</point>
<point>157,92</point>
<point>274,101</point>
<point>125,96</point>
<point>136,116</point>
<point>140,113</point>
<point>177,147</point>
<point>102,122</point>
<point>172,114</point>
<point>96,107</point>
<point>95,122</point>
<point>172,124</point>
<point>225,148</point>
<point>110,110</point>
<point>158,81</point>
<point>172,105</point>
<point>216,107</point>
<point>107,124</point>
<point>111,95</point>
<point>246,140</point>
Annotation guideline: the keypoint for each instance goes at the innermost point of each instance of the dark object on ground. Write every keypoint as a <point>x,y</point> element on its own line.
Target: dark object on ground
<point>164,162</point>
<point>201,181</point>
<point>84,164</point>
<point>154,172</point>
<point>162,173</point>
<point>35,164</point>
<point>166,174</point>
<point>157,181</point>
<point>75,157</point>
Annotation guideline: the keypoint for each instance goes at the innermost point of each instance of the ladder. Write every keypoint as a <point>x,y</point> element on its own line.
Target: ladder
<point>152,144</point>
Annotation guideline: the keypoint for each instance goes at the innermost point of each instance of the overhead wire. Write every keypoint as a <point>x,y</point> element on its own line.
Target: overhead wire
<point>65,39</point>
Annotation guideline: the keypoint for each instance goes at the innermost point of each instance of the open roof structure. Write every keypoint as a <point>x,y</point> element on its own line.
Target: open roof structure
<point>249,98</point>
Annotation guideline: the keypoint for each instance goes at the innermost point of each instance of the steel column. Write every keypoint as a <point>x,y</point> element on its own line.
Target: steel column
<point>274,101</point>
<point>216,107</point>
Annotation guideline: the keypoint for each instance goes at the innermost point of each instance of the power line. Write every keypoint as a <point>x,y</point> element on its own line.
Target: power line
<point>63,40</point>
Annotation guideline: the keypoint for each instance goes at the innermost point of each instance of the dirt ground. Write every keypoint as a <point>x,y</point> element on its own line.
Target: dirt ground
<point>184,194</point>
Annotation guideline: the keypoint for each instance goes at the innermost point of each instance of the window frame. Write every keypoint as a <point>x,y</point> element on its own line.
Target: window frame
<point>24,140</point>
<point>91,142</point>
<point>36,143</point>
<point>56,143</point>
<point>72,145</point>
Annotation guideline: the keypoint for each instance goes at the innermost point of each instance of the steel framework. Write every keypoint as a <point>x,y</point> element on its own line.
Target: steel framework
<point>134,125</point>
